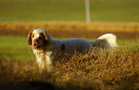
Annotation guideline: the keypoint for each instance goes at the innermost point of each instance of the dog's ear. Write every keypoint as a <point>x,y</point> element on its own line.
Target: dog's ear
<point>47,36</point>
<point>30,37</point>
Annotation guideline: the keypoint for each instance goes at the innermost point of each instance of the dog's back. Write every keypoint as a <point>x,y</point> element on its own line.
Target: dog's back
<point>71,45</point>
<point>106,41</point>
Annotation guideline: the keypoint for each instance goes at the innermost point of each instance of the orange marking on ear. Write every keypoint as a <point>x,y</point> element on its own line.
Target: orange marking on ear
<point>32,36</point>
<point>41,36</point>
<point>45,36</point>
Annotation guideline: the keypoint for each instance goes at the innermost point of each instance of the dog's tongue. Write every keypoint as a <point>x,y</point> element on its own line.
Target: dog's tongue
<point>35,46</point>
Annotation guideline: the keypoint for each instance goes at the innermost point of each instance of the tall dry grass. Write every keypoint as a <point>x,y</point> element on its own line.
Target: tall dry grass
<point>116,70</point>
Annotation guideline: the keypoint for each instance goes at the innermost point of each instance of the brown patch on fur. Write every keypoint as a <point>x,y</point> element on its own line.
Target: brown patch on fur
<point>63,48</point>
<point>46,41</point>
<point>46,37</point>
<point>41,36</point>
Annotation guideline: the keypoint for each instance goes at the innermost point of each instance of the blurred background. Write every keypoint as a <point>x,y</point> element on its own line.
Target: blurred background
<point>69,10</point>
<point>69,17</point>
<point>64,19</point>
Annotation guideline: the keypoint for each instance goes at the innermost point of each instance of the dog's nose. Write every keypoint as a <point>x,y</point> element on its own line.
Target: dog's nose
<point>35,40</point>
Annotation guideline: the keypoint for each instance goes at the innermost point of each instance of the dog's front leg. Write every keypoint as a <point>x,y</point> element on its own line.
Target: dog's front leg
<point>40,61</point>
<point>48,61</point>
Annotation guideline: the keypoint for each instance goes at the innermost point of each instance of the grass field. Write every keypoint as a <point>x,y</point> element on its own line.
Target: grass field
<point>114,70</point>
<point>69,10</point>
<point>15,48</point>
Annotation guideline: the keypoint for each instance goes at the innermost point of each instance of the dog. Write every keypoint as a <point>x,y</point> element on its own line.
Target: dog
<point>46,49</point>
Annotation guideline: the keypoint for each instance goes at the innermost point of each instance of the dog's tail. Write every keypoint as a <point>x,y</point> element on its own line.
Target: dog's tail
<point>106,41</point>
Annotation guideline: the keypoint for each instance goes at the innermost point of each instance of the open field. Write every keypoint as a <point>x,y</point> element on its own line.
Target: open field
<point>117,70</point>
<point>112,70</point>
<point>69,10</point>
<point>15,48</point>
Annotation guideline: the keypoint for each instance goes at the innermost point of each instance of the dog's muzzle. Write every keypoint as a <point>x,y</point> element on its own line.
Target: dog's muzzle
<point>35,43</point>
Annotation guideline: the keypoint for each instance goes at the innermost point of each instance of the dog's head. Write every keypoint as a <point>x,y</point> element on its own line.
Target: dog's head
<point>39,38</point>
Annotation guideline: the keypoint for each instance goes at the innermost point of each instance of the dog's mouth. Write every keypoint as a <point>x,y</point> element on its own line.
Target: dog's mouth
<point>35,45</point>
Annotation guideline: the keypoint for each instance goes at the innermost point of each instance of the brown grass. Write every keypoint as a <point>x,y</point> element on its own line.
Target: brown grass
<point>70,26</point>
<point>117,70</point>
<point>74,30</point>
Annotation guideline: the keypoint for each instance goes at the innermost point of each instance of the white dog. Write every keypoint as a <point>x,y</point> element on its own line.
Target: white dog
<point>44,47</point>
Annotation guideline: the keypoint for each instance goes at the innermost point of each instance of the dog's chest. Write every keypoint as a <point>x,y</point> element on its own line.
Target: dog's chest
<point>42,55</point>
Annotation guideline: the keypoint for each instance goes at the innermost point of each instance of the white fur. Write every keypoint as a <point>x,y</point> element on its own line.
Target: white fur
<point>43,59</point>
<point>111,38</point>
<point>54,47</point>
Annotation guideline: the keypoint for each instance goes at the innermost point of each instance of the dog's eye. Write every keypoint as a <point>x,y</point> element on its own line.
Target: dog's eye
<point>40,37</point>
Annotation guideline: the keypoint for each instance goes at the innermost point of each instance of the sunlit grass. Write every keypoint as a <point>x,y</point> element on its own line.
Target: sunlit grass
<point>15,48</point>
